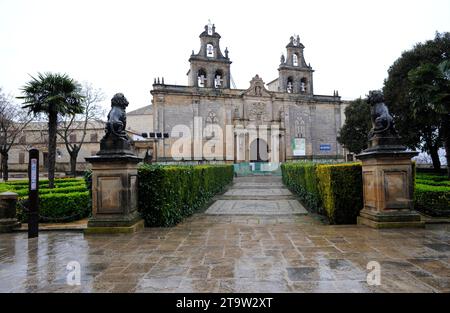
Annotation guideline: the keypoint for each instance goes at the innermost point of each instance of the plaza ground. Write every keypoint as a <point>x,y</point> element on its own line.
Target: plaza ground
<point>255,238</point>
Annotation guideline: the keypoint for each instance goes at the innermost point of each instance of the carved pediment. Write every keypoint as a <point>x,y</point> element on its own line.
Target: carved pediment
<point>257,88</point>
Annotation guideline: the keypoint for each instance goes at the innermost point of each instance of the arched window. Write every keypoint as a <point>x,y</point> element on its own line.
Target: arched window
<point>303,85</point>
<point>295,60</point>
<point>201,78</point>
<point>218,79</point>
<point>290,85</point>
<point>210,50</point>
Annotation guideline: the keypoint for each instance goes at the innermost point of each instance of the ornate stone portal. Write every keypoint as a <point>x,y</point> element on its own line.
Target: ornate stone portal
<point>114,177</point>
<point>387,173</point>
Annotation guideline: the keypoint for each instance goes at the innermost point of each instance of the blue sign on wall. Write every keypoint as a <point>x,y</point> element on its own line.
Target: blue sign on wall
<point>325,147</point>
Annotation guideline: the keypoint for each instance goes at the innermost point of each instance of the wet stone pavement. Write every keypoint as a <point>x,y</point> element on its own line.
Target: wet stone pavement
<point>231,253</point>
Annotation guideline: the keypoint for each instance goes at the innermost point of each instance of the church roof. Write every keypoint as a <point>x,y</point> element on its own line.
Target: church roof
<point>147,110</point>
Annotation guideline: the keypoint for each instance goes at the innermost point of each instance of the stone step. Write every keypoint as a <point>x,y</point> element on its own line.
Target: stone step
<point>258,192</point>
<point>250,197</point>
<point>252,207</point>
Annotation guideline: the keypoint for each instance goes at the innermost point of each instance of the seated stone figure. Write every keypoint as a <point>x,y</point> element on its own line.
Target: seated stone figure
<point>382,136</point>
<point>116,140</point>
<point>382,121</point>
<point>117,118</point>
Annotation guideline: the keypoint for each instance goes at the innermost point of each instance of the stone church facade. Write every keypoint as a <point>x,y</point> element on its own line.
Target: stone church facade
<point>209,120</point>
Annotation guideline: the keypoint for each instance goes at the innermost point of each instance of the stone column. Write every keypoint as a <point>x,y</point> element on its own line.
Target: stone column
<point>114,178</point>
<point>8,220</point>
<point>387,174</point>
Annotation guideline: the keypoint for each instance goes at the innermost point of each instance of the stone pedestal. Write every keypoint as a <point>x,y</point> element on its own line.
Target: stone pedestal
<point>388,188</point>
<point>8,220</point>
<point>114,194</point>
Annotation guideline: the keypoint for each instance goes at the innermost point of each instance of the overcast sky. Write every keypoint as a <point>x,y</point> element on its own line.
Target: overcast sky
<point>121,46</point>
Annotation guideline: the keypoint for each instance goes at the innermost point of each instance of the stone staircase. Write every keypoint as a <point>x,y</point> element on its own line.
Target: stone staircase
<point>257,195</point>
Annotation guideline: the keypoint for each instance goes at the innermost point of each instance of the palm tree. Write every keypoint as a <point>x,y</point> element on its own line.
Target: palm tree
<point>52,94</point>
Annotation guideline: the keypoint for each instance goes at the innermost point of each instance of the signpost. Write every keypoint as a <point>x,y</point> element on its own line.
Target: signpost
<point>33,196</point>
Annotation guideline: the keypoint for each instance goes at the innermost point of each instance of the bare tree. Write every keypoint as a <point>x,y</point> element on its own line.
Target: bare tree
<point>76,123</point>
<point>13,119</point>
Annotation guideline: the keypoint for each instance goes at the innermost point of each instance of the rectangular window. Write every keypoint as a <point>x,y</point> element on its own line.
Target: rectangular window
<point>21,158</point>
<point>22,140</point>
<point>73,138</point>
<point>94,137</point>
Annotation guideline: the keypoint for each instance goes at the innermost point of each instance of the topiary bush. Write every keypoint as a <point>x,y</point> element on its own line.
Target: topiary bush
<point>167,194</point>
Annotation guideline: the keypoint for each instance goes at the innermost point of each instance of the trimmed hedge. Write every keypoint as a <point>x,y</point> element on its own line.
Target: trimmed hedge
<point>59,207</point>
<point>432,200</point>
<point>68,201</point>
<point>44,181</point>
<point>301,178</point>
<point>43,191</point>
<point>340,187</point>
<point>167,194</point>
<point>333,190</point>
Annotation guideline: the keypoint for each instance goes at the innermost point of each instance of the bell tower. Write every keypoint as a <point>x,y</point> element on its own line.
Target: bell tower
<point>209,67</point>
<point>295,76</point>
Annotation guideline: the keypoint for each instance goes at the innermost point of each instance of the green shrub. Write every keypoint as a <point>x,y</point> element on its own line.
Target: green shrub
<point>59,207</point>
<point>433,177</point>
<point>432,182</point>
<point>340,187</point>
<point>301,178</point>
<point>333,190</point>
<point>167,194</point>
<point>432,200</point>
<point>44,181</point>
<point>43,191</point>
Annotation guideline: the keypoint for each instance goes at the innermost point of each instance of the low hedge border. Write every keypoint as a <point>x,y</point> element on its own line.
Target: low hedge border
<point>43,191</point>
<point>168,194</point>
<point>432,200</point>
<point>59,207</point>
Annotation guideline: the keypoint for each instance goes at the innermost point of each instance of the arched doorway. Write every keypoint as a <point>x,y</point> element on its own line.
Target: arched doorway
<point>259,151</point>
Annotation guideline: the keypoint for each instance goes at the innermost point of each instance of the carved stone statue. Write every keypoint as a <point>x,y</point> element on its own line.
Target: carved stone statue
<point>116,140</point>
<point>382,121</point>
<point>117,118</point>
<point>383,135</point>
<point>282,59</point>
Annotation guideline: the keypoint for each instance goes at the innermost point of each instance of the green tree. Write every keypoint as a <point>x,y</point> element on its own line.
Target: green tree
<point>430,91</point>
<point>418,123</point>
<point>53,95</point>
<point>353,135</point>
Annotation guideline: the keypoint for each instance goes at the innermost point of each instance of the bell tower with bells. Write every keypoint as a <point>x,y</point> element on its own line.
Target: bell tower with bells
<point>209,68</point>
<point>295,76</point>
